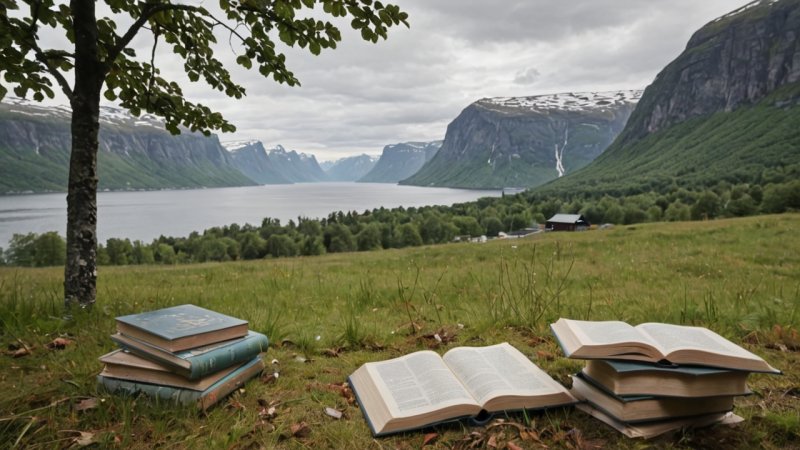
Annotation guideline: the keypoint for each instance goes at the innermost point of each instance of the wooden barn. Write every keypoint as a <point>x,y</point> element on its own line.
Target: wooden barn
<point>567,222</point>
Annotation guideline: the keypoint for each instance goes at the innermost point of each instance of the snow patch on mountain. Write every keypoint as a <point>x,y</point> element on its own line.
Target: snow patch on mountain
<point>569,101</point>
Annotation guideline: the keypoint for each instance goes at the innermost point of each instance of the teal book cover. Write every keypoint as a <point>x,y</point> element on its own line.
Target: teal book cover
<point>180,321</point>
<point>203,399</point>
<point>634,367</point>
<point>199,362</point>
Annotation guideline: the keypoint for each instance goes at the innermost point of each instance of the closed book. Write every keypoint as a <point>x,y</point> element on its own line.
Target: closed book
<point>198,362</point>
<point>634,409</point>
<point>649,430</point>
<point>181,327</point>
<point>124,365</point>
<point>202,399</point>
<point>637,378</point>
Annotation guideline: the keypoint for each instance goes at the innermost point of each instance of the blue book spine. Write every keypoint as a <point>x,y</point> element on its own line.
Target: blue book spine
<point>202,399</point>
<point>225,356</point>
<point>203,361</point>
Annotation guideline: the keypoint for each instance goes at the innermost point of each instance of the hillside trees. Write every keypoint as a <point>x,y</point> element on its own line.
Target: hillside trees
<point>101,57</point>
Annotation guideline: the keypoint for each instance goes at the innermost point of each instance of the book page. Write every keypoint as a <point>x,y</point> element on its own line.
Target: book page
<point>420,381</point>
<point>606,332</point>
<point>498,370</point>
<point>676,337</point>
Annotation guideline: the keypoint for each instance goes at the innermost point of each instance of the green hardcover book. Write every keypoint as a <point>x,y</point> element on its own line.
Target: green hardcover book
<point>181,327</point>
<point>203,399</point>
<point>634,378</point>
<point>199,362</point>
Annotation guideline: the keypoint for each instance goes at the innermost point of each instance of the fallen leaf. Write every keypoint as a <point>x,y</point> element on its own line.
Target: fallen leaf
<point>87,403</point>
<point>235,404</point>
<point>492,442</point>
<point>300,430</point>
<point>58,343</point>
<point>84,439</point>
<point>545,355</point>
<point>332,352</point>
<point>20,352</point>
<point>267,377</point>
<point>512,446</point>
<point>335,413</point>
<point>429,438</point>
<point>267,412</point>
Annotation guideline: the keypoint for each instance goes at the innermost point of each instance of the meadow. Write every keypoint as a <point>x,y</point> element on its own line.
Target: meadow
<point>327,315</point>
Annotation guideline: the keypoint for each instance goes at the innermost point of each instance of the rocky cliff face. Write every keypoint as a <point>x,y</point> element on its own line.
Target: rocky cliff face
<point>526,141</point>
<point>726,110</point>
<point>252,159</point>
<point>351,168</point>
<point>400,161</point>
<point>296,167</point>
<point>134,153</point>
<point>733,61</point>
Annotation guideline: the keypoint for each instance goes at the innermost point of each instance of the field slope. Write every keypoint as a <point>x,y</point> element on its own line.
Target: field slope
<point>328,315</point>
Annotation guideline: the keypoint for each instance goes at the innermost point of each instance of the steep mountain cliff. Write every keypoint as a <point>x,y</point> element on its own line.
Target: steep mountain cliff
<point>134,153</point>
<point>296,167</point>
<point>400,161</point>
<point>252,159</point>
<point>351,168</point>
<point>526,141</point>
<point>726,109</point>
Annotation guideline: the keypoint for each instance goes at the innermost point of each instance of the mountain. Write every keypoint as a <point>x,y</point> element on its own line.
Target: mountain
<point>526,141</point>
<point>134,153</point>
<point>296,167</point>
<point>252,159</point>
<point>726,109</point>
<point>400,161</point>
<point>349,169</point>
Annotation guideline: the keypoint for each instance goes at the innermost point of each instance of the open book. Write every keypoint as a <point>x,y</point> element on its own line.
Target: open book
<point>423,388</point>
<point>654,342</point>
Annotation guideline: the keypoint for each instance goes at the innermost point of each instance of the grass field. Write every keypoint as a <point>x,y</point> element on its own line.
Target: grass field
<point>325,316</point>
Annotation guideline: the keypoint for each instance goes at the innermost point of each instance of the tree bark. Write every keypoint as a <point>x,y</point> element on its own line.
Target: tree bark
<point>80,272</point>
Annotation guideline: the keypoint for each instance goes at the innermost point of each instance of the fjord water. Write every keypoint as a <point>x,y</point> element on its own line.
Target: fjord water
<point>150,214</point>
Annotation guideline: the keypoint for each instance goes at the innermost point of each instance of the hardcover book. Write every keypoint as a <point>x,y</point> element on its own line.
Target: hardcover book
<point>127,366</point>
<point>423,388</point>
<point>198,362</point>
<point>202,399</point>
<point>633,409</point>
<point>636,378</point>
<point>649,430</point>
<point>181,327</point>
<point>654,342</point>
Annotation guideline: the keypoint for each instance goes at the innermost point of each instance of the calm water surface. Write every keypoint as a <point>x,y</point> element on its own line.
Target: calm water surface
<point>147,215</point>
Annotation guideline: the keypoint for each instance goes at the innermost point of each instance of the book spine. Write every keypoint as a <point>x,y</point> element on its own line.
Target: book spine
<point>224,357</point>
<point>202,400</point>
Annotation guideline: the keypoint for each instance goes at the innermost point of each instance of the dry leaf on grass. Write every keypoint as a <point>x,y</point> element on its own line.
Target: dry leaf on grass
<point>429,438</point>
<point>20,352</point>
<point>58,343</point>
<point>332,352</point>
<point>300,430</point>
<point>545,355</point>
<point>87,403</point>
<point>512,446</point>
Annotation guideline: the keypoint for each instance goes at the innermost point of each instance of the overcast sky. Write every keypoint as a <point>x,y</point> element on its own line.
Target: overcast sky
<point>362,96</point>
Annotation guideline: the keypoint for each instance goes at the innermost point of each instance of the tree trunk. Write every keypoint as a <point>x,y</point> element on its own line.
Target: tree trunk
<point>80,272</point>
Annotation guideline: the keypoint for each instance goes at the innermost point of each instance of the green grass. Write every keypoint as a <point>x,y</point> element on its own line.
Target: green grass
<point>739,277</point>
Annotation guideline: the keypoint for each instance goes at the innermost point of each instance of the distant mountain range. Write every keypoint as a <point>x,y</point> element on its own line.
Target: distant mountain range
<point>400,161</point>
<point>726,110</point>
<point>276,166</point>
<point>526,141</point>
<point>351,168</point>
<point>134,153</point>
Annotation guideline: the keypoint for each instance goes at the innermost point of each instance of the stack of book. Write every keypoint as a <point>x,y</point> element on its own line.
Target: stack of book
<point>654,378</point>
<point>185,354</point>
